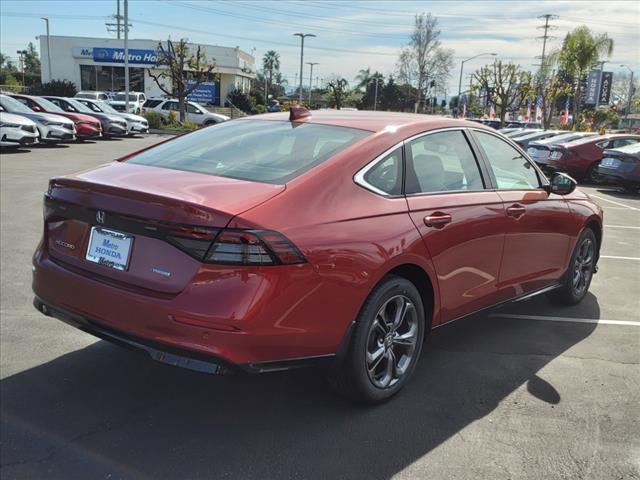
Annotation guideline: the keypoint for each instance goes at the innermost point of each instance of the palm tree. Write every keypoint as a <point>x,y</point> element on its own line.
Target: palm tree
<point>581,51</point>
<point>363,78</point>
<point>271,63</point>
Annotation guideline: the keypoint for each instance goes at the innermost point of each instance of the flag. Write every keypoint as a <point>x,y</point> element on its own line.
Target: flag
<point>464,109</point>
<point>539,109</point>
<point>492,113</point>
<point>528,115</point>
<point>564,117</point>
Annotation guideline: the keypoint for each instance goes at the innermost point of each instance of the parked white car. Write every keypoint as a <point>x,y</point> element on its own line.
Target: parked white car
<point>93,95</point>
<point>135,123</point>
<point>195,113</point>
<point>52,128</point>
<point>136,100</point>
<point>17,131</point>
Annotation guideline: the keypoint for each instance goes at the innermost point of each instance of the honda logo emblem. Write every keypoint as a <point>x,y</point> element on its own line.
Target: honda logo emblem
<point>100,217</point>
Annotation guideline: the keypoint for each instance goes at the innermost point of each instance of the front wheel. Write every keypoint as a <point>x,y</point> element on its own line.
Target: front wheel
<point>581,269</point>
<point>386,343</point>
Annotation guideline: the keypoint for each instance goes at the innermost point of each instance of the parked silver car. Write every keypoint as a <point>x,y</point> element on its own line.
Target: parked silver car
<point>52,128</point>
<point>195,113</point>
<point>17,131</point>
<point>135,123</point>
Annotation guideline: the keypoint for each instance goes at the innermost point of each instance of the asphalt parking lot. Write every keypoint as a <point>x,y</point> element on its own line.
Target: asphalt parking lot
<point>529,391</point>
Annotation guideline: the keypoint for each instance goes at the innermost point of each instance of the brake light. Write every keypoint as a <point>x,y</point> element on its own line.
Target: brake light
<point>253,247</point>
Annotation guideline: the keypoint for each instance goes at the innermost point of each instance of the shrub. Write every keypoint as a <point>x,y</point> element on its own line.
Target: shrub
<point>190,126</point>
<point>154,119</point>
<point>58,88</point>
<point>173,118</point>
<point>241,101</point>
<point>258,109</point>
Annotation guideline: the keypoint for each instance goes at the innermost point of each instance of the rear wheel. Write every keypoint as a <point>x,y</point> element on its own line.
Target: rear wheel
<point>386,343</point>
<point>593,175</point>
<point>581,270</point>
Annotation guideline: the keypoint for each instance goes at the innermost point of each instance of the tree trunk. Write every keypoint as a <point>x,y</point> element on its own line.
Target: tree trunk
<point>181,107</point>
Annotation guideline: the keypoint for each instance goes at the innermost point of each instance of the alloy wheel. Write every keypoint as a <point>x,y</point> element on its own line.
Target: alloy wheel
<point>583,266</point>
<point>391,342</point>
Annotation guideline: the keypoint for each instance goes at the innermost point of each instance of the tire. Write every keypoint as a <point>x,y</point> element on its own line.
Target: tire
<point>593,176</point>
<point>580,272</point>
<point>209,123</point>
<point>371,371</point>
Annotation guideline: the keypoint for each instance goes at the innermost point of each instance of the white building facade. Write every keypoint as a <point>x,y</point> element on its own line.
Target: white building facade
<point>98,64</point>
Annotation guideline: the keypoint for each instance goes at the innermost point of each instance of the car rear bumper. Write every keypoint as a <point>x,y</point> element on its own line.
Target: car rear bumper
<point>254,324</point>
<point>84,131</point>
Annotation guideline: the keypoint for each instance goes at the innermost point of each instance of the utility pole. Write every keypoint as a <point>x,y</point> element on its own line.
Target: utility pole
<point>22,53</point>
<point>46,20</point>
<point>126,56</point>
<point>118,26</point>
<point>118,17</point>
<point>311,79</point>
<point>375,96</point>
<point>541,78</point>
<point>302,37</point>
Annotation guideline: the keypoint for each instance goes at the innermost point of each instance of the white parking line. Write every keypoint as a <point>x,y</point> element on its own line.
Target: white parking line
<point>619,258</point>
<point>567,319</point>
<point>621,226</point>
<point>615,203</point>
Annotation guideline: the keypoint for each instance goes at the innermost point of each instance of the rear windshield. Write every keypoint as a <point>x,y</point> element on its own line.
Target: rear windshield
<point>254,150</point>
<point>152,103</point>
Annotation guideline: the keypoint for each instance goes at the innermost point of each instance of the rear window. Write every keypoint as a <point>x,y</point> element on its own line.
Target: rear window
<point>152,103</point>
<point>253,150</point>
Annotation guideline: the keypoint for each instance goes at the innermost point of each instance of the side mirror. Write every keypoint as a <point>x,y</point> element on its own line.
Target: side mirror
<point>561,184</point>
<point>36,108</point>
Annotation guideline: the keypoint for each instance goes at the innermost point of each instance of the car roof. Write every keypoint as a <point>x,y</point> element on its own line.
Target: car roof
<point>372,121</point>
<point>599,138</point>
<point>632,148</point>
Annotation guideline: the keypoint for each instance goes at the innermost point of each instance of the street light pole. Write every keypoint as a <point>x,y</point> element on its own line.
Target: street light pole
<point>46,20</point>
<point>302,37</point>
<point>461,70</point>
<point>311,79</point>
<point>126,56</point>
<point>22,53</point>
<point>628,109</point>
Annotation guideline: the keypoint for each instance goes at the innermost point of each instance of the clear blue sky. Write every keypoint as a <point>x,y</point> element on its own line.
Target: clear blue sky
<point>350,34</point>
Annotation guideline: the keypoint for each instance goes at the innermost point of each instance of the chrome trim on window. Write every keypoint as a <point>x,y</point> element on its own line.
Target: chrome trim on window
<point>358,178</point>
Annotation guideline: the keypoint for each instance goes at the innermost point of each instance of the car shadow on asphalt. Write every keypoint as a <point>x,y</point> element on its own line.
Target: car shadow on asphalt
<point>103,411</point>
<point>13,151</point>
<point>618,192</point>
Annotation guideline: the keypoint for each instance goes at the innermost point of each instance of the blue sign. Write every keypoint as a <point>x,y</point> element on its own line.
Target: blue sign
<point>116,55</point>
<point>205,93</point>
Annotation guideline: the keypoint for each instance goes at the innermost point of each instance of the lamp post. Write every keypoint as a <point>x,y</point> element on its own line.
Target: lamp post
<point>462,69</point>
<point>302,37</point>
<point>375,93</point>
<point>628,109</point>
<point>311,79</point>
<point>46,20</point>
<point>22,53</point>
<point>126,56</point>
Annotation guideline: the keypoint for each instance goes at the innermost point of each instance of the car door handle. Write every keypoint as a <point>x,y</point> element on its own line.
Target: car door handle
<point>516,211</point>
<point>437,220</point>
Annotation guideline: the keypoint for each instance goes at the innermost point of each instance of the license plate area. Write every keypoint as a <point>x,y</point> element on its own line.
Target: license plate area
<point>109,248</point>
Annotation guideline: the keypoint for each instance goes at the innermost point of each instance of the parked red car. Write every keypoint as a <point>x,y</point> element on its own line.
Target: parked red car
<point>580,158</point>
<point>86,126</point>
<point>271,242</point>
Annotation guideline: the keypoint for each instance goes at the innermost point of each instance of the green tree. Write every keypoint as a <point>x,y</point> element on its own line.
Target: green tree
<point>363,78</point>
<point>369,96</point>
<point>581,51</point>
<point>337,89</point>
<point>31,60</point>
<point>506,84</point>
<point>391,95</point>
<point>271,64</point>
<point>181,71</point>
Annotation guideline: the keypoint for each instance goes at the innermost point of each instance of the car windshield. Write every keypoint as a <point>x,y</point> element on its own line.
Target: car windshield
<point>632,148</point>
<point>13,105</point>
<point>564,137</point>
<point>105,107</point>
<point>85,95</point>
<point>81,107</point>
<point>120,97</point>
<point>536,135</point>
<point>254,150</point>
<point>48,105</point>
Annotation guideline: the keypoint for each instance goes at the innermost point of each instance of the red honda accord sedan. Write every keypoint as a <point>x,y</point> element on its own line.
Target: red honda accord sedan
<point>276,241</point>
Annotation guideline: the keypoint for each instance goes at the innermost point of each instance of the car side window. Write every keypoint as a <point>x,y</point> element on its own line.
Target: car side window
<point>167,106</point>
<point>623,142</point>
<point>441,162</point>
<point>386,175</point>
<point>511,169</point>
<point>192,109</point>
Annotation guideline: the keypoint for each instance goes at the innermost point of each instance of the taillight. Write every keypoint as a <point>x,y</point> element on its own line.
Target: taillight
<point>253,247</point>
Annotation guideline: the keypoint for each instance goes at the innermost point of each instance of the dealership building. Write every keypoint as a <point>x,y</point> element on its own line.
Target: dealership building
<point>98,64</point>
